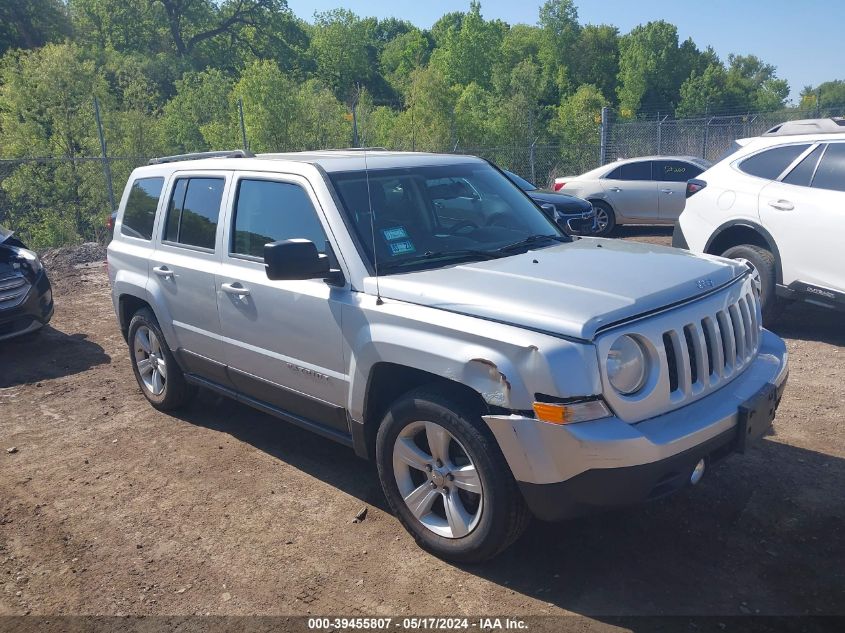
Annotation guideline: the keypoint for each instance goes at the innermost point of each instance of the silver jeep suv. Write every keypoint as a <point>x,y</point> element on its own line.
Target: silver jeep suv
<point>493,366</point>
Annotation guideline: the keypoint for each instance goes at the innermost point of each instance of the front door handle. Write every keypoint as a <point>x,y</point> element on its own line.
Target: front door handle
<point>666,191</point>
<point>235,289</point>
<point>615,189</point>
<point>781,205</point>
<point>163,271</point>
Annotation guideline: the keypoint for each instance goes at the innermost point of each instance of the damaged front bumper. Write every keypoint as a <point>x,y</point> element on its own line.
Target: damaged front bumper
<point>573,469</point>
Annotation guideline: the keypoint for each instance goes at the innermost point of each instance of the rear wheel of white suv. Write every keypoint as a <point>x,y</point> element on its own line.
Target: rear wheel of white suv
<point>446,479</point>
<point>762,264</point>
<point>159,376</point>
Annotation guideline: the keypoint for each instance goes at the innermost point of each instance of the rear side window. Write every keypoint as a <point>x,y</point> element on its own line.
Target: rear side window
<point>831,171</point>
<point>140,212</point>
<point>193,211</point>
<point>675,171</point>
<point>803,172</point>
<point>268,211</point>
<point>771,163</point>
<point>632,171</point>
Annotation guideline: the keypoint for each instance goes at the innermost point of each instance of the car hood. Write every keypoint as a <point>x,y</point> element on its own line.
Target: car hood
<point>563,202</point>
<point>570,289</point>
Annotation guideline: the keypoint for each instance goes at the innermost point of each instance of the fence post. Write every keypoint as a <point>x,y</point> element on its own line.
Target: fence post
<point>660,133</point>
<point>243,127</point>
<point>603,133</point>
<point>105,155</point>
<point>531,157</point>
<point>704,142</point>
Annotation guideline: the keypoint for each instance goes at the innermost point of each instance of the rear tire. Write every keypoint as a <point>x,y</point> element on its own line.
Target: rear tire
<point>762,262</point>
<point>605,218</point>
<point>159,376</point>
<point>436,454</point>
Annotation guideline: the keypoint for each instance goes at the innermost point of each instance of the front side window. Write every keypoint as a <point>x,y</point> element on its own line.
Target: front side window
<point>268,211</point>
<point>675,171</point>
<point>771,163</point>
<point>831,171</point>
<point>803,172</point>
<point>140,213</point>
<point>430,216</point>
<point>193,211</point>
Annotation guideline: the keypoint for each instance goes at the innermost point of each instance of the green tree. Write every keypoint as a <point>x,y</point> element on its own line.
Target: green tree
<point>31,23</point>
<point>200,116</point>
<point>576,127</point>
<point>830,95</point>
<point>649,62</point>
<point>340,44</point>
<point>559,23</point>
<point>46,109</point>
<point>597,60</point>
<point>758,82</point>
<point>468,53</point>
<point>402,55</point>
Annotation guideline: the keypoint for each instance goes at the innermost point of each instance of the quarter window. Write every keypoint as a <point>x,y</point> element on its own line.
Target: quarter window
<point>140,212</point>
<point>675,171</point>
<point>268,211</point>
<point>831,171</point>
<point>803,172</point>
<point>771,163</point>
<point>193,212</point>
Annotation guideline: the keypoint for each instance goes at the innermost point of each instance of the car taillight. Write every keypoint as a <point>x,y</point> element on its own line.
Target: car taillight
<point>110,223</point>
<point>559,185</point>
<point>694,186</point>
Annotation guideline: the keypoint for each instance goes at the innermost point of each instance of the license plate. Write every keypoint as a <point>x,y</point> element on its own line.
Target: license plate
<point>755,417</point>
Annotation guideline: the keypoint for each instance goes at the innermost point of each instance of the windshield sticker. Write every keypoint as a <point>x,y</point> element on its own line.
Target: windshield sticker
<point>402,248</point>
<point>395,233</point>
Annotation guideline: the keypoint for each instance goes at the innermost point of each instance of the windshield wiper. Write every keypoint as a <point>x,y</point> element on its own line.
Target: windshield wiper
<point>461,253</point>
<point>531,239</point>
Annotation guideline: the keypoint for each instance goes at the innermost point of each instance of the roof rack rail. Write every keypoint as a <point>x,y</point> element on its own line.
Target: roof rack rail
<point>833,125</point>
<point>365,149</point>
<point>233,153</point>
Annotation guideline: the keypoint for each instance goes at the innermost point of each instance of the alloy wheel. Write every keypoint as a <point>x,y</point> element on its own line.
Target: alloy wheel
<point>150,360</point>
<point>437,479</point>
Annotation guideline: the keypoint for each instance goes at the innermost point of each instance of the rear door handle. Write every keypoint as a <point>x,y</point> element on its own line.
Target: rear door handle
<point>235,289</point>
<point>666,191</point>
<point>163,271</point>
<point>781,205</point>
<point>615,189</point>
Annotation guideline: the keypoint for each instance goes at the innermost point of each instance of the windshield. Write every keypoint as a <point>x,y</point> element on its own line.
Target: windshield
<point>429,216</point>
<point>520,182</point>
<point>4,234</point>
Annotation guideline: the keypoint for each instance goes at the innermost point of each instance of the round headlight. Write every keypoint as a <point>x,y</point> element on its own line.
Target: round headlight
<point>626,365</point>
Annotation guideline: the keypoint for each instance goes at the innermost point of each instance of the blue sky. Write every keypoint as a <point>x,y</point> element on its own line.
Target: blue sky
<point>805,40</point>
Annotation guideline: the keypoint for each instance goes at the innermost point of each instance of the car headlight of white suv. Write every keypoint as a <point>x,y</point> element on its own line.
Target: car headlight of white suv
<point>627,365</point>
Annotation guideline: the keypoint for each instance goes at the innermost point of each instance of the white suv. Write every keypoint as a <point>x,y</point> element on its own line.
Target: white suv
<point>777,202</point>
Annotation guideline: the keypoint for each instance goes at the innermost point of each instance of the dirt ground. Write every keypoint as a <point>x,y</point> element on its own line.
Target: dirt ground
<point>110,507</point>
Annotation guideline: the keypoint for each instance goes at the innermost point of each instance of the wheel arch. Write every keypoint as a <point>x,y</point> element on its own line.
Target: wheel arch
<point>127,305</point>
<point>737,232</point>
<point>386,383</point>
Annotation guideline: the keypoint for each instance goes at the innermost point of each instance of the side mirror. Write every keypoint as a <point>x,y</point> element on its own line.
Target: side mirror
<point>294,259</point>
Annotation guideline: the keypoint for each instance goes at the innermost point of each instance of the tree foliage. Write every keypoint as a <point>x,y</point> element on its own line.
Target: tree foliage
<point>169,75</point>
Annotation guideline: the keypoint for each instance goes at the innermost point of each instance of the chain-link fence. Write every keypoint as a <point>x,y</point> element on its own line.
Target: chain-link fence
<point>53,201</point>
<point>707,137</point>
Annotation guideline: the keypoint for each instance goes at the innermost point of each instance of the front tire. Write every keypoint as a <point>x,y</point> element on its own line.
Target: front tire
<point>446,479</point>
<point>159,376</point>
<point>605,219</point>
<point>762,264</point>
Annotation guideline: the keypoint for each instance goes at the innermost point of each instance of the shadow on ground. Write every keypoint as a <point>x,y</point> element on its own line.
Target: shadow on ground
<point>753,537</point>
<point>807,322</point>
<point>46,354</point>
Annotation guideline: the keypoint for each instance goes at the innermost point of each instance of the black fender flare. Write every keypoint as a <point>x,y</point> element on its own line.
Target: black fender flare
<point>753,226</point>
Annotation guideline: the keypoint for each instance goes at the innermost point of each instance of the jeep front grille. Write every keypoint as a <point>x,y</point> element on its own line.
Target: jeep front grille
<point>693,349</point>
<point>712,349</point>
<point>13,289</point>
